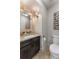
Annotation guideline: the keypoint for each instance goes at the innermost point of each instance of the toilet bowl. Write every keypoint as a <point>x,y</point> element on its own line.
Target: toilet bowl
<point>54,51</point>
<point>54,48</point>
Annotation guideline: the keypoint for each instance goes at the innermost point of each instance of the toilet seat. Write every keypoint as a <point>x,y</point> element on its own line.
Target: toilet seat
<point>54,49</point>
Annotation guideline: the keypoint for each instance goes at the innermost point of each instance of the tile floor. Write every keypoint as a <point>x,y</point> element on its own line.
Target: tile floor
<point>42,55</point>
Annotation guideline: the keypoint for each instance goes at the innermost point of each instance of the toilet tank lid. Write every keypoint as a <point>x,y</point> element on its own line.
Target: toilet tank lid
<point>54,48</point>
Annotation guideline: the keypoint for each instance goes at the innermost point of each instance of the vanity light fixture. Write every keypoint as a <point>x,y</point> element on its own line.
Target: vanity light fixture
<point>35,11</point>
<point>25,14</point>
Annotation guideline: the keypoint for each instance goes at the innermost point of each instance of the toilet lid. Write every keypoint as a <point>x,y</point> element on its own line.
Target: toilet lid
<point>54,48</point>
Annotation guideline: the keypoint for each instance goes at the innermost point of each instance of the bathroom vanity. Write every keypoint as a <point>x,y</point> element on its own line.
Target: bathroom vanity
<point>29,46</point>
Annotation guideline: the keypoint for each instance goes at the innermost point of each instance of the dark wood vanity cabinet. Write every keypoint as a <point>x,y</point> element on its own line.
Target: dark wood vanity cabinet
<point>29,48</point>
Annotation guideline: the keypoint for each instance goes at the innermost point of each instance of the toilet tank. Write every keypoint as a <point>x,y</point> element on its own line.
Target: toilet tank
<point>56,39</point>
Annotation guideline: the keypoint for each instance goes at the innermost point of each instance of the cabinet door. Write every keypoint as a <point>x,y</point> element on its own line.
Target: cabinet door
<point>36,44</point>
<point>25,53</point>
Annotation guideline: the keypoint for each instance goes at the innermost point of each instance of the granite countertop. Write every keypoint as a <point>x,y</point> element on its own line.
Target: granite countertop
<point>26,37</point>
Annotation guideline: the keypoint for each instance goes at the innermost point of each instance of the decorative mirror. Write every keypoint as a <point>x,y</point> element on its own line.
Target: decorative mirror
<point>24,21</point>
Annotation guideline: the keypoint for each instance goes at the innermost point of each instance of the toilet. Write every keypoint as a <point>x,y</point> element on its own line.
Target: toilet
<point>54,48</point>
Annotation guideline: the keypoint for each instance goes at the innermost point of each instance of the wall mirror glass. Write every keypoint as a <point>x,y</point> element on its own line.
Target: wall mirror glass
<point>24,21</point>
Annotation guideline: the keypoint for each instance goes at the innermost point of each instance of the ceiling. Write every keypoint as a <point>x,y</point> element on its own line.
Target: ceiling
<point>49,3</point>
<point>28,4</point>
